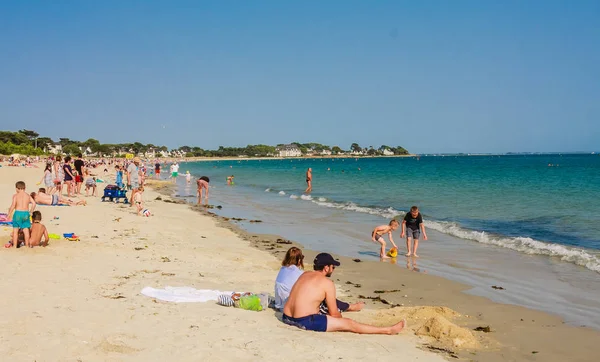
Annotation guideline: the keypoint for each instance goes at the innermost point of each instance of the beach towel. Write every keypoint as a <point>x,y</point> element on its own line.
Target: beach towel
<point>183,294</point>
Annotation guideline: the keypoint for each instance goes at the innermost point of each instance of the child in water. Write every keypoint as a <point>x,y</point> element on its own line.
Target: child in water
<point>377,236</point>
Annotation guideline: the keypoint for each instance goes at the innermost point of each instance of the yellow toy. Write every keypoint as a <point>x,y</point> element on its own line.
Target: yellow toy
<point>393,252</point>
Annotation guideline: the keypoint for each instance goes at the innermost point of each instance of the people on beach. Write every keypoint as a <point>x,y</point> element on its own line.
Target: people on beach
<point>69,177</point>
<point>20,210</point>
<point>39,233</point>
<point>308,180</point>
<point>43,198</point>
<point>230,180</point>
<point>139,200</point>
<point>311,288</point>
<point>79,168</point>
<point>292,267</point>
<point>174,171</point>
<point>413,226</point>
<point>59,175</point>
<point>157,170</point>
<point>379,231</point>
<point>188,177</point>
<point>202,183</point>
<point>133,177</point>
<point>119,176</point>
<point>90,183</point>
<point>47,178</point>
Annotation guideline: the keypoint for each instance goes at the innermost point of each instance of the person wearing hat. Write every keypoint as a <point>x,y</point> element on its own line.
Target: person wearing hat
<point>292,267</point>
<point>133,177</point>
<point>302,307</point>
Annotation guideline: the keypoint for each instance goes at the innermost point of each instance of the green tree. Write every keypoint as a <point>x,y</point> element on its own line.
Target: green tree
<point>400,151</point>
<point>71,149</point>
<point>355,147</point>
<point>335,150</point>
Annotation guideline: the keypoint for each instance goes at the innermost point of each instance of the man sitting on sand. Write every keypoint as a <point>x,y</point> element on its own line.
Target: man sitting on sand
<point>302,307</point>
<point>292,267</point>
<point>42,198</point>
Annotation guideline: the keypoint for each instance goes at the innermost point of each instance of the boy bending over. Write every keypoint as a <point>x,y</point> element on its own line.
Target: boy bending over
<point>377,236</point>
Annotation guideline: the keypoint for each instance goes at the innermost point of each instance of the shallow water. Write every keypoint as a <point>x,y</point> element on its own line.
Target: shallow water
<point>487,225</point>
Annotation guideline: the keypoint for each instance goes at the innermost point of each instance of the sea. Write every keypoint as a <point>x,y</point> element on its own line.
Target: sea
<point>527,223</point>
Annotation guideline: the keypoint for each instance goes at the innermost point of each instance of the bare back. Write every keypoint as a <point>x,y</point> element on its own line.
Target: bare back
<point>21,201</point>
<point>43,198</point>
<point>37,232</point>
<point>307,294</point>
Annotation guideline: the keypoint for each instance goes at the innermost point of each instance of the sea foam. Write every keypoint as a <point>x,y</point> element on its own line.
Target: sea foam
<point>579,256</point>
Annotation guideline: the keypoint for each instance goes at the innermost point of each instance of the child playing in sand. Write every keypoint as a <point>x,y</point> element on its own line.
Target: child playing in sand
<point>138,200</point>
<point>377,236</point>
<point>412,226</point>
<point>38,231</point>
<point>21,204</point>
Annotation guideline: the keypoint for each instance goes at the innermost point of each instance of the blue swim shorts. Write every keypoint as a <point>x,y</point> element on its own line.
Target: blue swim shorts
<point>21,220</point>
<point>314,322</point>
<point>414,234</point>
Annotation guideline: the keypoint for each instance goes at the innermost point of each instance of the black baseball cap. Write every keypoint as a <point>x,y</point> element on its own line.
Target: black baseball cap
<point>325,259</point>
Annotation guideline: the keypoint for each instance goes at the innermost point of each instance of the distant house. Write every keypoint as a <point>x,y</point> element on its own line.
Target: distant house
<point>55,149</point>
<point>361,152</point>
<point>290,150</point>
<point>150,153</point>
<point>165,154</point>
<point>388,152</point>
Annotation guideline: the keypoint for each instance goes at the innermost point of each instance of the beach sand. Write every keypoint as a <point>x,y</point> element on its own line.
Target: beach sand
<point>81,300</point>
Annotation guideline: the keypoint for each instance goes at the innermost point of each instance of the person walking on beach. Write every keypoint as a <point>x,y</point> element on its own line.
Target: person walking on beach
<point>133,178</point>
<point>308,180</point>
<point>302,307</point>
<point>157,170</point>
<point>412,226</point>
<point>377,236</point>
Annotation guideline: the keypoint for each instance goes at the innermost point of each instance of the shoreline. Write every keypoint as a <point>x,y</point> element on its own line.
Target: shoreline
<point>105,317</point>
<point>518,333</point>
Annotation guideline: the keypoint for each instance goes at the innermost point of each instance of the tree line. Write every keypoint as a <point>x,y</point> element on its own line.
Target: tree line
<point>28,142</point>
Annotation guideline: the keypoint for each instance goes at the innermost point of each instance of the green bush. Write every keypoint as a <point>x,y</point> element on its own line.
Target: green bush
<point>9,148</point>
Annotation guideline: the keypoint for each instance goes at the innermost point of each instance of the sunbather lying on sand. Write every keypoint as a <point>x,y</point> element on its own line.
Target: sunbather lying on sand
<point>42,198</point>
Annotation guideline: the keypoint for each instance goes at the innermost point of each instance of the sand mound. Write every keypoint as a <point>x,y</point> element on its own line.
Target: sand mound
<point>448,333</point>
<point>434,322</point>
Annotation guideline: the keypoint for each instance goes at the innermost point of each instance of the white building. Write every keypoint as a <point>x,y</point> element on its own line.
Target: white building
<point>326,153</point>
<point>388,152</point>
<point>55,149</point>
<point>289,151</point>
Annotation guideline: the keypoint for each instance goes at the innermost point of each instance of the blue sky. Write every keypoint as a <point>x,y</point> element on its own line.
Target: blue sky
<point>431,76</point>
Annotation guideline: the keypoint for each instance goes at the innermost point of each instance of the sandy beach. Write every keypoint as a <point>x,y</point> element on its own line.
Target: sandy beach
<point>81,301</point>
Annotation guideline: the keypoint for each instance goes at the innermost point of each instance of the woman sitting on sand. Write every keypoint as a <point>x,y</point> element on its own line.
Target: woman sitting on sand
<point>292,268</point>
<point>42,198</point>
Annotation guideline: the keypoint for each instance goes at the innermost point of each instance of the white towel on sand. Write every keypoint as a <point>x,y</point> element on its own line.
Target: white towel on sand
<point>183,294</point>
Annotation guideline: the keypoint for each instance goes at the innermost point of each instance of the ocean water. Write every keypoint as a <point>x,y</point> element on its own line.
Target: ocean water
<point>520,220</point>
